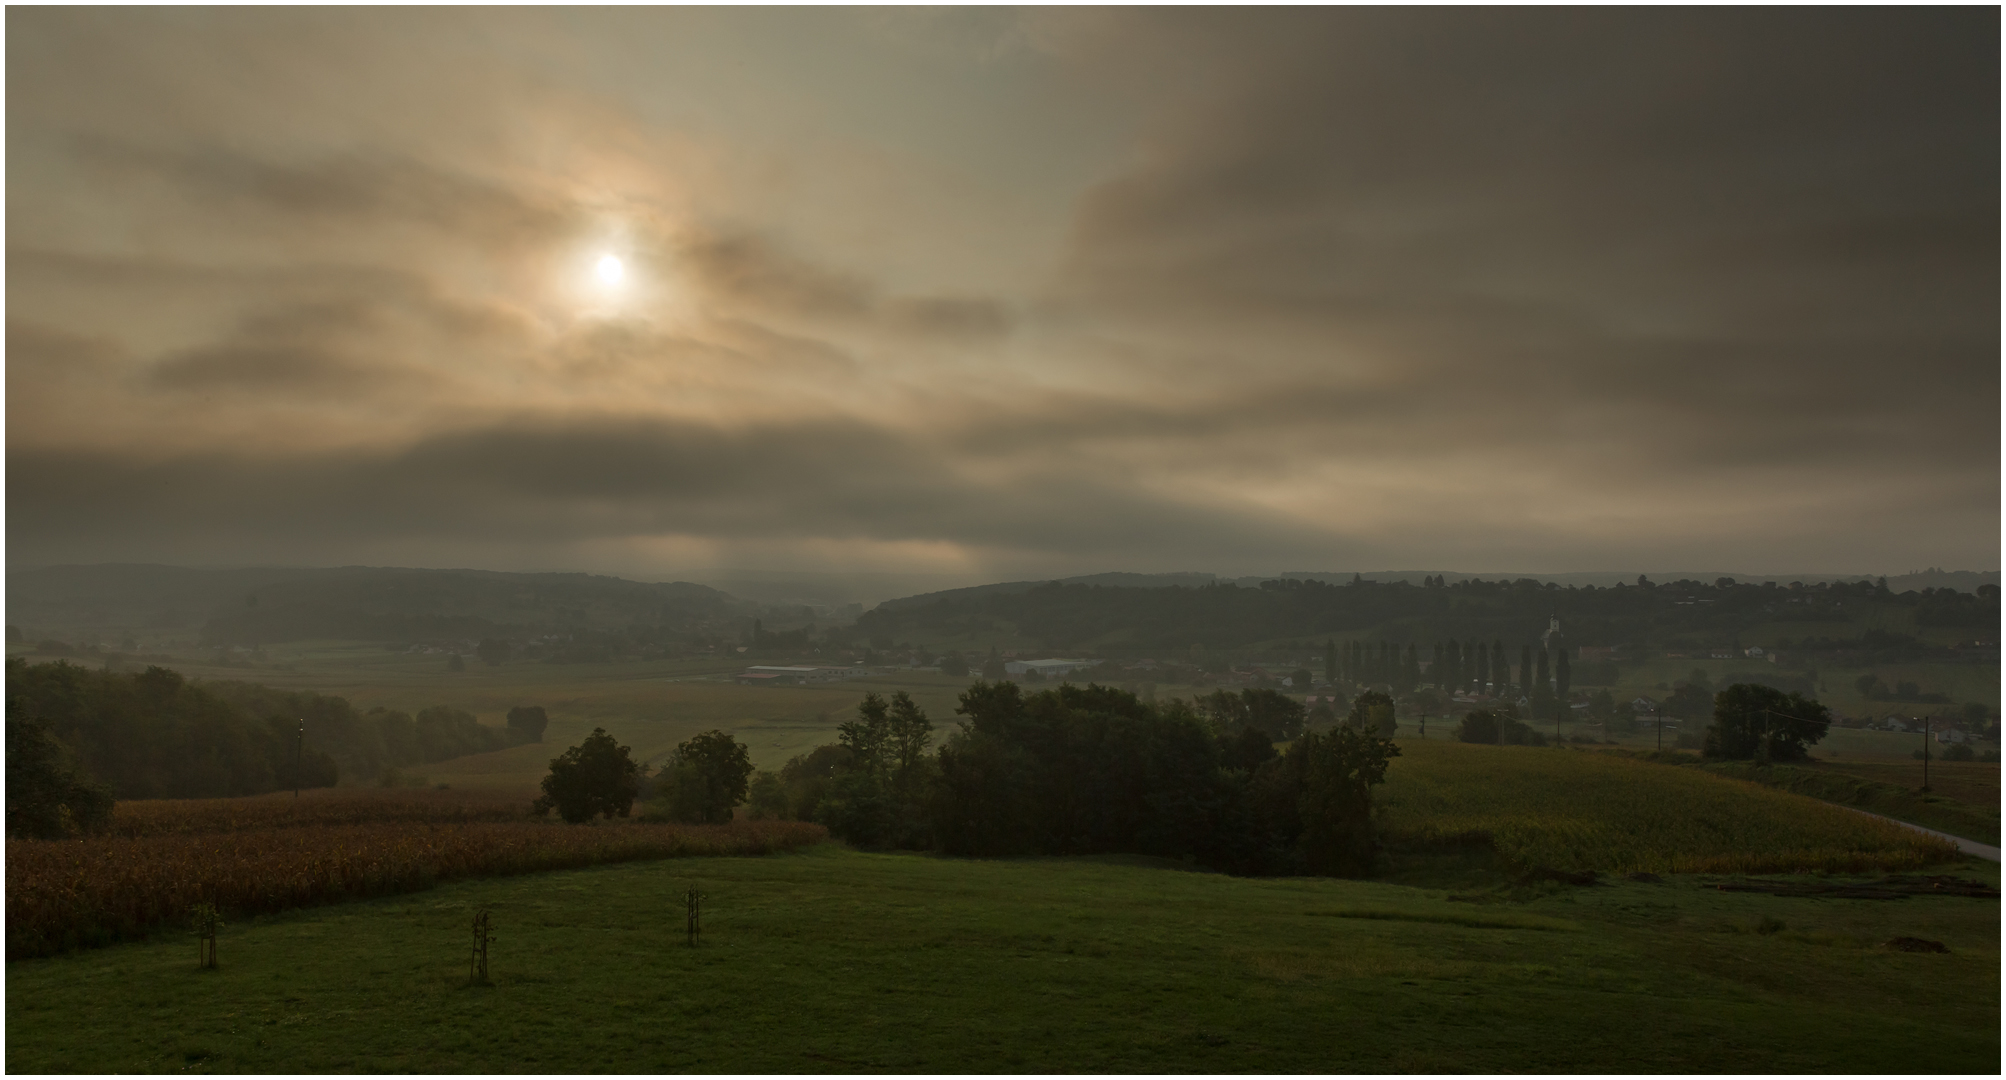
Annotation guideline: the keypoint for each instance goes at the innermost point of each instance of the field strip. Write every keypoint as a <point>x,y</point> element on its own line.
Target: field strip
<point>1481,922</point>
<point>1969,847</point>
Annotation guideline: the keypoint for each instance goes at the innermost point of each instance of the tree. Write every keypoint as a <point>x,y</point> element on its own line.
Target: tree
<point>711,774</point>
<point>48,795</point>
<point>907,737</point>
<point>455,663</point>
<point>596,777</point>
<point>1373,713</point>
<point>992,668</point>
<point>1525,670</point>
<point>492,651</point>
<point>766,796</point>
<point>1689,702</point>
<point>1300,679</point>
<point>527,723</point>
<point>866,736</point>
<point>1273,712</point>
<point>1317,798</point>
<point>1330,661</point>
<point>954,664</point>
<point>1764,723</point>
<point>1563,679</point>
<point>1540,681</point>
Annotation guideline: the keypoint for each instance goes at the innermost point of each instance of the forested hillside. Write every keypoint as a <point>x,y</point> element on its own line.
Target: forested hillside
<point>1681,614</point>
<point>263,607</point>
<point>154,734</point>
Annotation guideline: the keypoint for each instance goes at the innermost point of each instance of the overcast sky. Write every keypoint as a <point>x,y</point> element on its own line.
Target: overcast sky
<point>1005,294</point>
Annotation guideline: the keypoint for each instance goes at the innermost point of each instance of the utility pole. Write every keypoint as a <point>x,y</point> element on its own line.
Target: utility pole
<point>1925,754</point>
<point>299,758</point>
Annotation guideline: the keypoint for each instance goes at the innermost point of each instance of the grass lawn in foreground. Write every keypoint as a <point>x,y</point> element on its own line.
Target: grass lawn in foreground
<point>833,960</point>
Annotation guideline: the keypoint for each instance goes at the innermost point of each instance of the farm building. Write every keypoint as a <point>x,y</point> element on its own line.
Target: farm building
<point>789,675</point>
<point>1048,668</point>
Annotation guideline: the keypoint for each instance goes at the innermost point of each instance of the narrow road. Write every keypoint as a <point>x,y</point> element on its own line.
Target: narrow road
<point>1969,847</point>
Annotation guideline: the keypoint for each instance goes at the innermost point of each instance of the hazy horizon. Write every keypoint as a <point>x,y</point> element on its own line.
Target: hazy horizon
<point>1002,295</point>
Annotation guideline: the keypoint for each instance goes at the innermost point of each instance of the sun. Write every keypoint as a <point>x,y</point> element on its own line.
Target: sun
<point>610,270</point>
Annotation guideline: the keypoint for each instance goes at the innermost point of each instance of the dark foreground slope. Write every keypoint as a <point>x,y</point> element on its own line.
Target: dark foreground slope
<point>835,961</point>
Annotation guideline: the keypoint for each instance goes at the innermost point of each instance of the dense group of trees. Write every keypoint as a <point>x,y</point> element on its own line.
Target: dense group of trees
<point>1075,770</point>
<point>154,734</point>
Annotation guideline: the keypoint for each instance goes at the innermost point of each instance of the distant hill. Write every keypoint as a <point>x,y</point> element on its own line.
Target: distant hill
<point>267,606</point>
<point>1676,614</point>
<point>1960,580</point>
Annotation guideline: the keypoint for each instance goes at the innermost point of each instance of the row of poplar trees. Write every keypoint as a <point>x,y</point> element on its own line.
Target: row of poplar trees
<point>1456,666</point>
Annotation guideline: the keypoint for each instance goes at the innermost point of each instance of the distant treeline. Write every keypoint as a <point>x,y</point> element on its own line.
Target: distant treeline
<point>155,735</point>
<point>1083,770</point>
<point>387,604</point>
<point>1166,621</point>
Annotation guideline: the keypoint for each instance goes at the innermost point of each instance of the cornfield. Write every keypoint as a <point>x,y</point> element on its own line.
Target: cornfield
<point>1573,810</point>
<point>252,856</point>
<point>326,806</point>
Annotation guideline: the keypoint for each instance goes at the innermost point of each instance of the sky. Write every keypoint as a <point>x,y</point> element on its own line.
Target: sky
<point>1004,293</point>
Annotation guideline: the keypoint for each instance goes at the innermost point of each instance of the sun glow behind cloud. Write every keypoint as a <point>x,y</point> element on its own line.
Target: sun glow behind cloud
<point>1204,337</point>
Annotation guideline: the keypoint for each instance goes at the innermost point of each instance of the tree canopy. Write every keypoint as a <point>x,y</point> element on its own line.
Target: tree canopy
<point>1762,722</point>
<point>708,776</point>
<point>596,778</point>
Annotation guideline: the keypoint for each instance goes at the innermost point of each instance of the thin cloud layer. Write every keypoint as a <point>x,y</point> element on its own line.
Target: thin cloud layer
<point>1216,289</point>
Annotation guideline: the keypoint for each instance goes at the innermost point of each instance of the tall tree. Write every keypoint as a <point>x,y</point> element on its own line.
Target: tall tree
<point>1330,661</point>
<point>1562,677</point>
<point>1410,675</point>
<point>1525,670</point>
<point>712,773</point>
<point>595,777</point>
<point>907,736</point>
<point>1539,679</point>
<point>1483,668</point>
<point>1435,669</point>
<point>1500,671</point>
<point>869,735</point>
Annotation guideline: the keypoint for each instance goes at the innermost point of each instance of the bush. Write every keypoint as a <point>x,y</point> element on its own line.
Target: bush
<point>1494,726</point>
<point>1959,752</point>
<point>596,777</point>
<point>526,723</point>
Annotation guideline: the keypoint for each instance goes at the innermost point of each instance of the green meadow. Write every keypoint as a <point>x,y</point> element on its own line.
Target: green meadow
<point>838,961</point>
